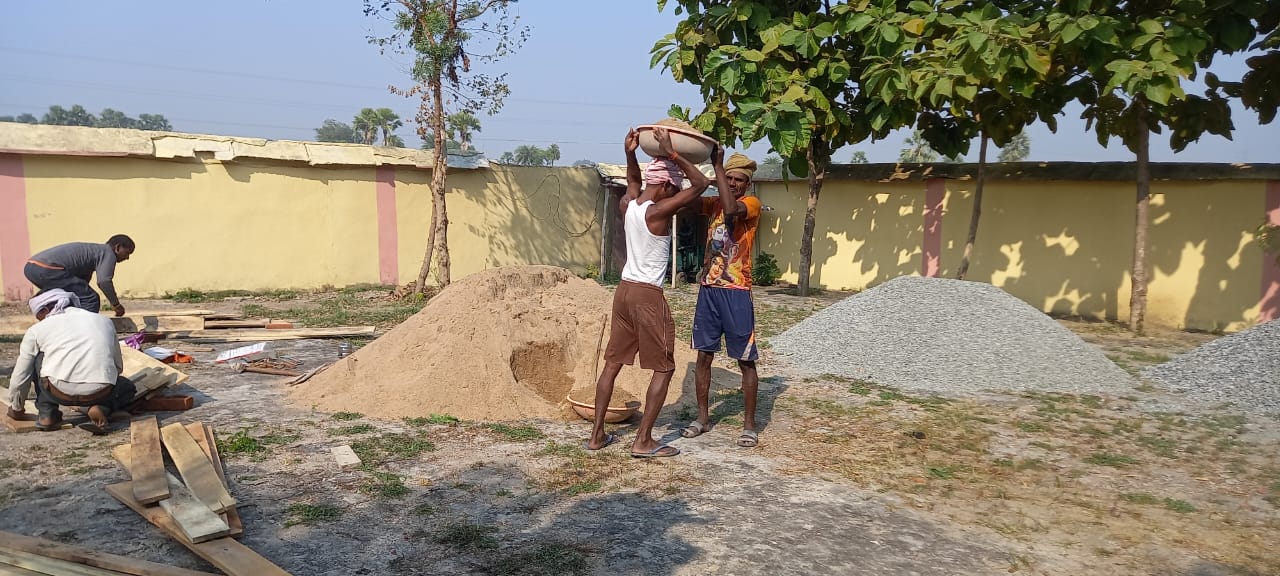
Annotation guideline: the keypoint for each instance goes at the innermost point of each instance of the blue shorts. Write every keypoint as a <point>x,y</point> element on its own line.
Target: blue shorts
<point>729,313</point>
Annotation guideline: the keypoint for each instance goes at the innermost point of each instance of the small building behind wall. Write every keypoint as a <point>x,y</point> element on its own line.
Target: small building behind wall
<point>1057,235</point>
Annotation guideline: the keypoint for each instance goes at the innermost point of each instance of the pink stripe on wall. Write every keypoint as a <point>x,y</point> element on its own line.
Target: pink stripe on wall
<point>931,261</point>
<point>1270,269</point>
<point>15,243</point>
<point>388,233</point>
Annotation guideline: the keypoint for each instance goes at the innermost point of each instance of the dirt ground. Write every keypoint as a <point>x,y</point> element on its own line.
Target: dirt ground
<point>850,477</point>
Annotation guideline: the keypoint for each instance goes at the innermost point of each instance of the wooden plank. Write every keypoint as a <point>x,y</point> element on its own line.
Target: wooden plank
<point>134,323</point>
<point>87,557</point>
<point>196,468</point>
<point>18,325</point>
<point>223,324</point>
<point>122,455</point>
<point>345,456</point>
<point>146,462</point>
<point>252,335</point>
<point>203,433</point>
<point>196,521</point>
<point>147,373</point>
<point>24,426</point>
<point>48,566</point>
<point>226,554</point>
<point>10,570</point>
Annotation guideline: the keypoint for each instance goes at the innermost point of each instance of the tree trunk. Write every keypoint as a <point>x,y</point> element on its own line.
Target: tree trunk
<point>1138,297</point>
<point>441,214</point>
<point>810,213</point>
<point>977,208</point>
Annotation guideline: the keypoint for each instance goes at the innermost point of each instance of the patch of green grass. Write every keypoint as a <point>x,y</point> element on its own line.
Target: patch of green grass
<point>942,472</point>
<point>255,311</point>
<point>861,387</point>
<point>70,458</point>
<point>352,430</point>
<point>1147,357</point>
<point>1231,423</point>
<point>1028,426</point>
<point>345,416</point>
<point>240,443</point>
<point>384,485</point>
<point>585,487</point>
<point>1179,506</point>
<point>468,536</point>
<point>1161,446</point>
<point>308,514</point>
<point>374,451</point>
<point>564,449</point>
<point>1094,431</point>
<point>522,433</point>
<point>424,509</point>
<point>1091,401</point>
<point>1140,498</point>
<point>891,395</point>
<point>433,420</point>
<point>349,309</point>
<point>1109,459</point>
<point>881,402</point>
<point>549,558</point>
<point>1044,446</point>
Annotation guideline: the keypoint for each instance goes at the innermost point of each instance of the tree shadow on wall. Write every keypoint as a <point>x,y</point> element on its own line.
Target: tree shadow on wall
<point>536,215</point>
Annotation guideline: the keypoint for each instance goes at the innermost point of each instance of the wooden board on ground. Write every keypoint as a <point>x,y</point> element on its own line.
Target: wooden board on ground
<point>253,335</point>
<point>196,468</point>
<point>196,520</point>
<point>134,323</point>
<point>203,434</point>
<point>146,461</point>
<point>37,564</point>
<point>123,454</point>
<point>147,373</point>
<point>224,324</point>
<point>24,426</point>
<point>345,456</point>
<point>84,556</point>
<point>226,554</point>
<point>18,325</point>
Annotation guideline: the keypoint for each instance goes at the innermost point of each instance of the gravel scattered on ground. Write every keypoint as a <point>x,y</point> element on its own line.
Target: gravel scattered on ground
<point>948,337</point>
<point>1243,369</point>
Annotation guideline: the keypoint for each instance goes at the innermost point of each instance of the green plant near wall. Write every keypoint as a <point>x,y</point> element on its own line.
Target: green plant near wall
<point>1268,237</point>
<point>765,271</point>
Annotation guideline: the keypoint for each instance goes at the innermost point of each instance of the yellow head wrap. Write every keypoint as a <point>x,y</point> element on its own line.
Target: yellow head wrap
<point>740,163</point>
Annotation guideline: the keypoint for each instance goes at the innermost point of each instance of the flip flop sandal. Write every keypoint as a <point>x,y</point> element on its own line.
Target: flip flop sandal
<point>694,429</point>
<point>92,428</point>
<point>608,441</point>
<point>658,452</point>
<point>748,439</point>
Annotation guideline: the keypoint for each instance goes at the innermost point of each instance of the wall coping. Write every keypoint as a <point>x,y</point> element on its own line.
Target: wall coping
<point>46,140</point>
<point>1049,171</point>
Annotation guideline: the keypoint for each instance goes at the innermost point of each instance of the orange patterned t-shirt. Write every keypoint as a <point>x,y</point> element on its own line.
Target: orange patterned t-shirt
<point>727,263</point>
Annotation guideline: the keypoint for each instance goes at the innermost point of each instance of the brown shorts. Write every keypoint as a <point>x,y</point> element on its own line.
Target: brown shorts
<point>642,323</point>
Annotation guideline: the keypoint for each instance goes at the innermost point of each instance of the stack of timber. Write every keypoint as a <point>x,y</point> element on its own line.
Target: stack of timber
<point>24,555</point>
<point>203,326</point>
<point>149,375</point>
<point>193,506</point>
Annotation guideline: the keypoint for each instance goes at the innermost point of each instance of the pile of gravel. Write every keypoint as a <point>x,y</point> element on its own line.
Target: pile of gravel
<point>948,337</point>
<point>1243,369</point>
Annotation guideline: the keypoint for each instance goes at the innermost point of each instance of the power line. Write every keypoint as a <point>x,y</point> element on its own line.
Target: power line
<point>287,79</point>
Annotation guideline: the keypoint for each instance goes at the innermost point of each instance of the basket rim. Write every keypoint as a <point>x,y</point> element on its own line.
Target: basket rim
<point>690,133</point>
<point>593,406</point>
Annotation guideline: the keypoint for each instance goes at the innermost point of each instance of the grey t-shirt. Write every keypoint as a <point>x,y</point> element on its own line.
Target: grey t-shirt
<point>82,260</point>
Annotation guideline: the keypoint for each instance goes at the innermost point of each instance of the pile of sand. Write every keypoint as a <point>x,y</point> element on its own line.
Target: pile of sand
<point>503,344</point>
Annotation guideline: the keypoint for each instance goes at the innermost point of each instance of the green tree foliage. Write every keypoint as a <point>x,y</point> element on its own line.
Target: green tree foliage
<point>444,36</point>
<point>334,131</point>
<point>783,71</point>
<point>917,150</point>
<point>154,122</point>
<point>461,126</point>
<point>75,116</point>
<point>1017,150</point>
<point>859,157</point>
<point>110,118</point>
<point>530,155</point>
<point>370,122</point>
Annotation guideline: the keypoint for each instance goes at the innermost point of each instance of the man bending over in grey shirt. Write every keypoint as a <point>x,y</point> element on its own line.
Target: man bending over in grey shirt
<point>69,267</point>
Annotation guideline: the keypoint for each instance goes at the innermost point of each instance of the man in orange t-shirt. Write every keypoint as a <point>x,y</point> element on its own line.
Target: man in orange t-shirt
<point>724,306</point>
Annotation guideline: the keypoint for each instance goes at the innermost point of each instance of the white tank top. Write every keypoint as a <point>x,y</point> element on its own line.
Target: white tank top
<point>647,255</point>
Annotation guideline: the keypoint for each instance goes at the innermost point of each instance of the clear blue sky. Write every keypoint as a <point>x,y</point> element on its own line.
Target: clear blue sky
<point>278,68</point>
